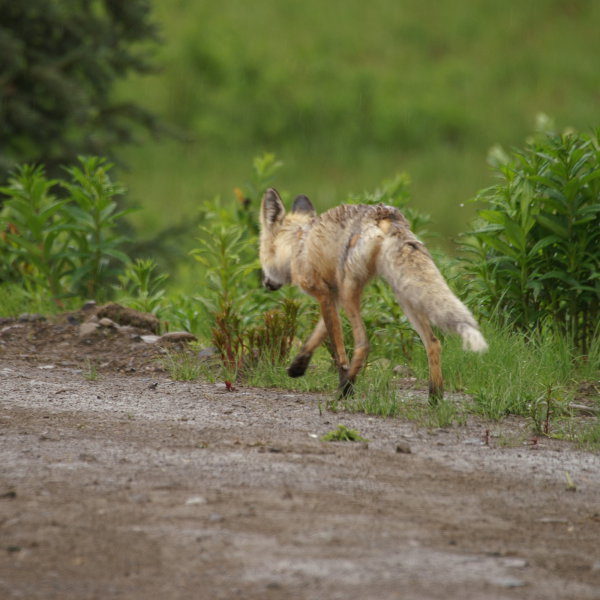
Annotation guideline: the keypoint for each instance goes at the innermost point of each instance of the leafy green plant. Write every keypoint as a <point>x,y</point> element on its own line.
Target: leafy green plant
<point>272,340</point>
<point>228,265</point>
<point>245,328</point>
<point>228,338</point>
<point>95,247</point>
<point>266,343</point>
<point>535,256</point>
<point>141,287</point>
<point>343,434</point>
<point>243,214</point>
<point>36,236</point>
<point>185,312</point>
<point>65,244</point>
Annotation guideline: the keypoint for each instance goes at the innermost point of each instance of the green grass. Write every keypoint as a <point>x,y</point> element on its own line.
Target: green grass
<point>185,366</point>
<point>90,370</point>
<point>15,301</point>
<point>535,379</point>
<point>514,374</point>
<point>320,376</point>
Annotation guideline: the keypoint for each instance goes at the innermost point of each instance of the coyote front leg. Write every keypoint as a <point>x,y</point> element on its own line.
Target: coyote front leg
<point>351,304</point>
<point>333,324</point>
<point>330,324</point>
<point>302,360</point>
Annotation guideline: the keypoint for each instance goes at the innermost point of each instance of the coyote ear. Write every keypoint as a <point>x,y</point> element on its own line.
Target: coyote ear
<point>272,209</point>
<point>303,205</point>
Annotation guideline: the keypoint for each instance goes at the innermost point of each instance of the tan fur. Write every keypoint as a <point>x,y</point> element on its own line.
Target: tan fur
<point>333,256</point>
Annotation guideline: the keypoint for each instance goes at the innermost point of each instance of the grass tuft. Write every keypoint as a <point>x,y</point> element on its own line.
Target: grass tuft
<point>343,434</point>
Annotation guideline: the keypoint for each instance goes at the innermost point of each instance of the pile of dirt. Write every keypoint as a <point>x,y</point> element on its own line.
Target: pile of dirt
<point>109,338</point>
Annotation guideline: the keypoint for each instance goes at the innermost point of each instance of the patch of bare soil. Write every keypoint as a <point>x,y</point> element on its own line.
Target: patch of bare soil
<point>134,486</point>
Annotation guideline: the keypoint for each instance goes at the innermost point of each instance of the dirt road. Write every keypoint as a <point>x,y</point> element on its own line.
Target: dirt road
<point>136,487</point>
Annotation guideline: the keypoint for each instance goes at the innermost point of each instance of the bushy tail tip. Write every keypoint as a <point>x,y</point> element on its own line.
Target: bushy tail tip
<point>472,339</point>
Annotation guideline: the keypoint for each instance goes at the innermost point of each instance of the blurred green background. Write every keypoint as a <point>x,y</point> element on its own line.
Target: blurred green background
<point>349,93</point>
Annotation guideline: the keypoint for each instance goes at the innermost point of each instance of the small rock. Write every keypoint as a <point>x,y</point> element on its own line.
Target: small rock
<point>174,337</point>
<point>473,442</point>
<point>128,316</point>
<point>88,458</point>
<point>402,370</point>
<point>106,322</point>
<point>130,330</point>
<point>88,329</point>
<point>382,363</point>
<point>274,585</point>
<point>552,520</point>
<point>140,498</point>
<point>515,563</point>
<point>30,318</point>
<point>89,305</point>
<point>403,448</point>
<point>216,518</point>
<point>195,500</point>
<point>10,329</point>
<point>150,339</point>
<point>206,353</point>
<point>508,582</point>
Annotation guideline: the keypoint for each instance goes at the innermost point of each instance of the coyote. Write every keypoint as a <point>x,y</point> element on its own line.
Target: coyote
<point>333,256</point>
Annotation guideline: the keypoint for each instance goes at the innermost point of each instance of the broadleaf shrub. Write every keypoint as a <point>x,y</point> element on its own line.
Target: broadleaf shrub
<point>60,236</point>
<point>534,255</point>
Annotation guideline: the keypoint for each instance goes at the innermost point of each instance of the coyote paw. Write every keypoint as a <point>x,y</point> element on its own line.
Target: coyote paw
<point>436,393</point>
<point>299,365</point>
<point>346,387</point>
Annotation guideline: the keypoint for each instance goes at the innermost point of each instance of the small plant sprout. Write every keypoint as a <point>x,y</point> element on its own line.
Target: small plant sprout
<point>91,370</point>
<point>343,434</point>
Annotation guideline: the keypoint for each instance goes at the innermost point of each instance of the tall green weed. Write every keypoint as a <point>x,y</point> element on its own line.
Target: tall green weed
<point>60,235</point>
<point>535,254</point>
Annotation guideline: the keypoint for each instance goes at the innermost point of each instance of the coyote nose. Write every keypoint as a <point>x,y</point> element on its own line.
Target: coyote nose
<point>271,285</point>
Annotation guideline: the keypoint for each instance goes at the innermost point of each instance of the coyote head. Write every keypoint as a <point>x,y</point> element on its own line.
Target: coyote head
<point>279,236</point>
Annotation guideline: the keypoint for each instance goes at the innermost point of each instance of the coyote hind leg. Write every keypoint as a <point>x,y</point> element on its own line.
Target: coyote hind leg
<point>434,350</point>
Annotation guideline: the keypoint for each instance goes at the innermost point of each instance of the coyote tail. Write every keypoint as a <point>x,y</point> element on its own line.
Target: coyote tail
<point>422,291</point>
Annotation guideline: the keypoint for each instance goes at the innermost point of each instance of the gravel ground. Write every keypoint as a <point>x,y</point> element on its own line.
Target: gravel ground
<point>135,486</point>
